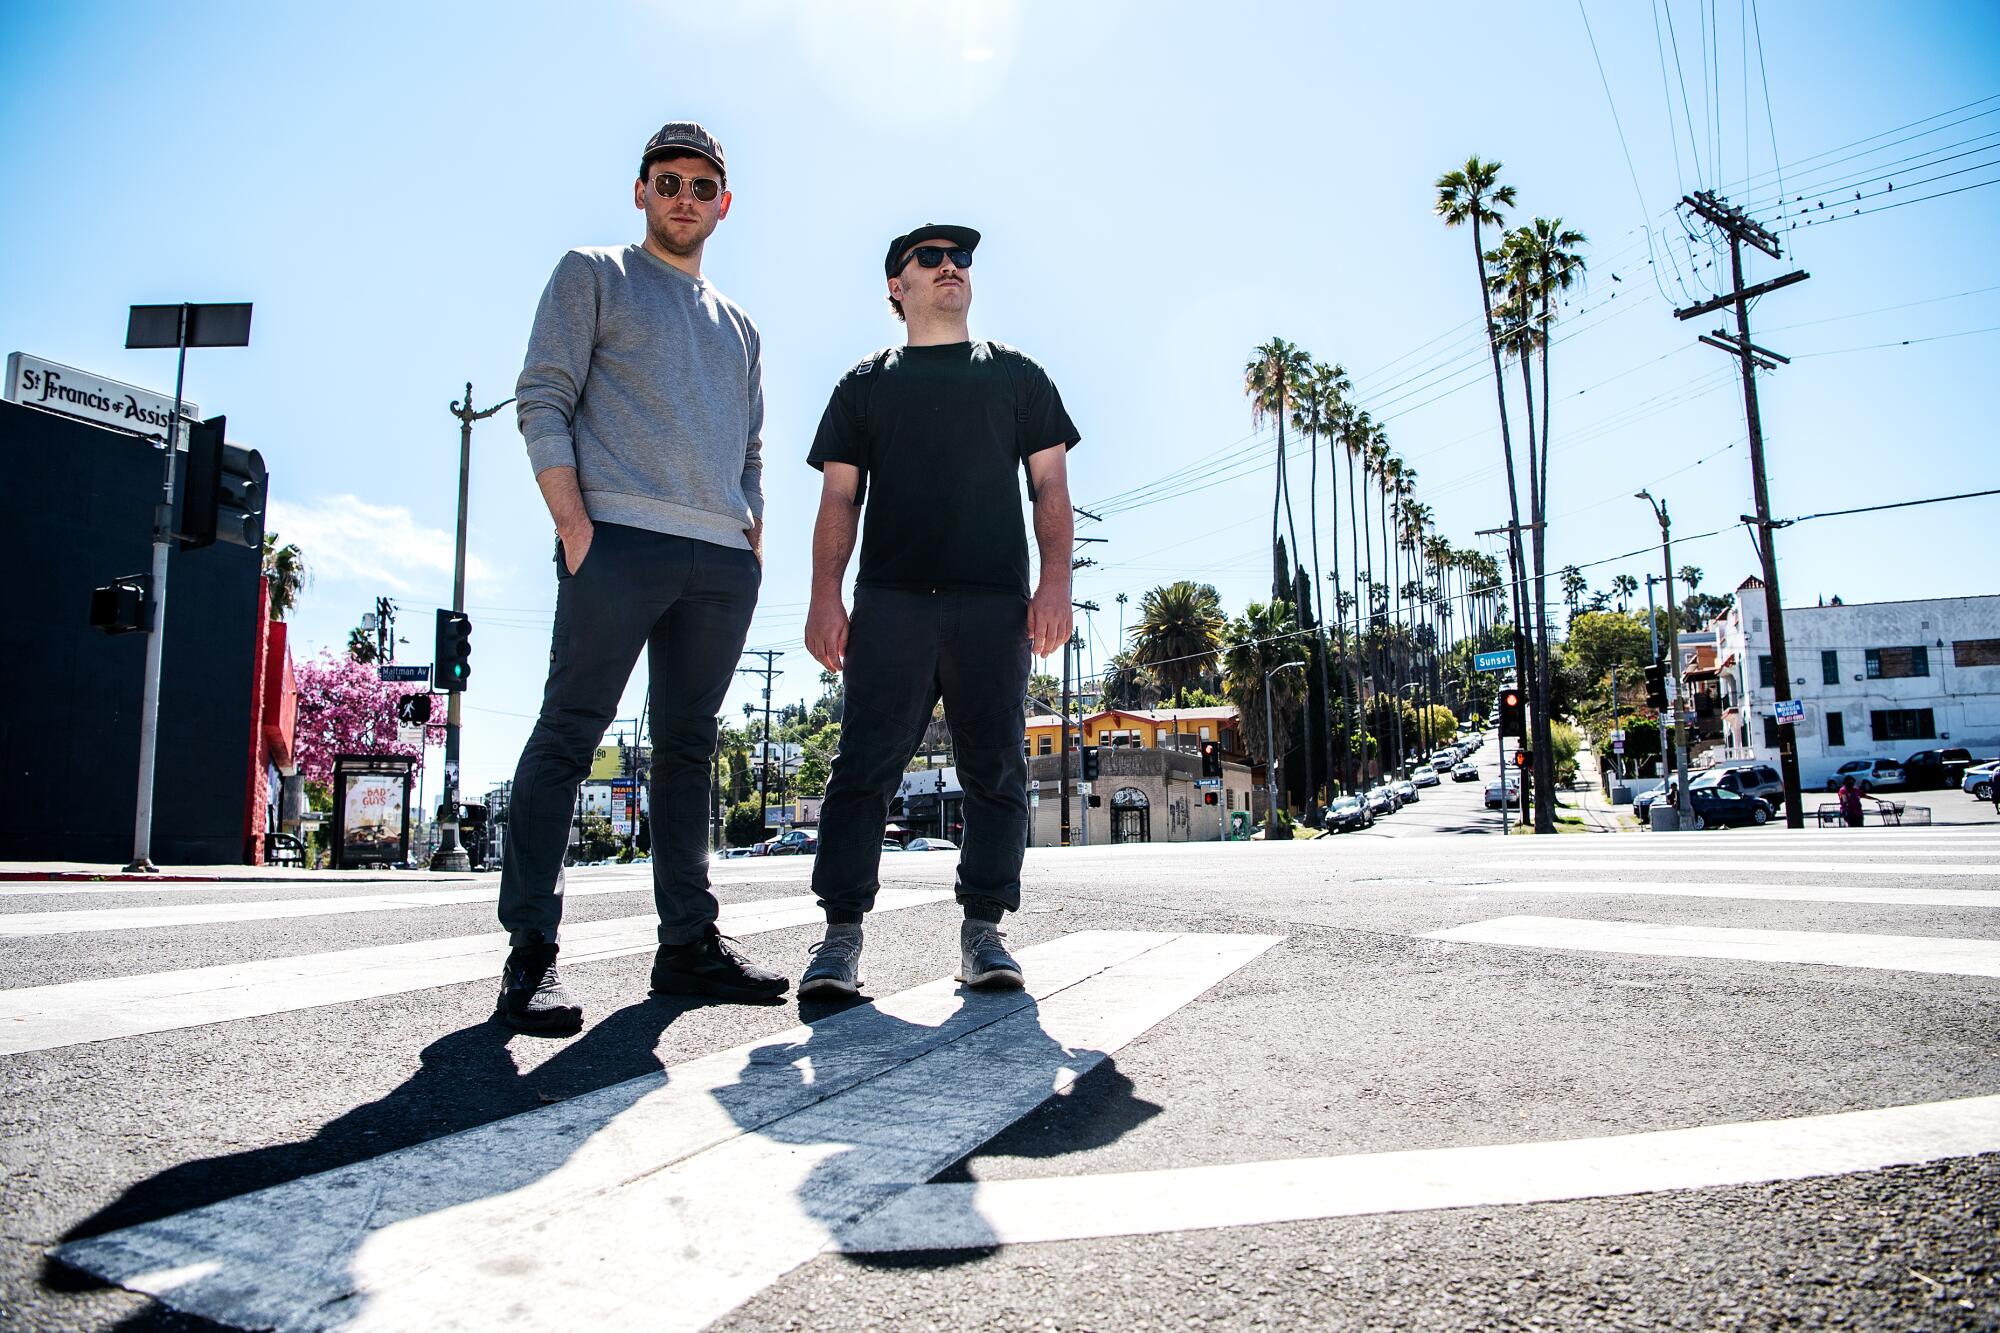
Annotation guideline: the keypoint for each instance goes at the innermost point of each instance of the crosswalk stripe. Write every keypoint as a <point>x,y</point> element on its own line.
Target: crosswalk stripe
<point>666,1201</point>
<point>38,1018</point>
<point>1012,1212</point>
<point>18,925</point>
<point>1883,895</point>
<point>1902,953</point>
<point>1767,865</point>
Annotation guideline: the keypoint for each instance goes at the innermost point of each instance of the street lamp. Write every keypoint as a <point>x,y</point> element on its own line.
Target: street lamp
<point>1673,672</point>
<point>1271,742</point>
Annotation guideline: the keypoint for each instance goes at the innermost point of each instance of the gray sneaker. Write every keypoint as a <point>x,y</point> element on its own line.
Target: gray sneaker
<point>835,971</point>
<point>984,963</point>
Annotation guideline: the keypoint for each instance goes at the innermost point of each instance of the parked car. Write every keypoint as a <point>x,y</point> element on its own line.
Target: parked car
<point>1936,770</point>
<point>1427,777</point>
<point>1381,801</point>
<point>793,842</point>
<point>1715,807</point>
<point>891,845</point>
<point>931,845</point>
<point>1759,780</point>
<point>1347,814</point>
<point>1465,773</point>
<point>1503,793</point>
<point>1868,774</point>
<point>1978,780</point>
<point>1442,761</point>
<point>733,853</point>
<point>1406,792</point>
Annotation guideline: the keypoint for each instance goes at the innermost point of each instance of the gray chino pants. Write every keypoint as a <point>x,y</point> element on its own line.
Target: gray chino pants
<point>687,603</point>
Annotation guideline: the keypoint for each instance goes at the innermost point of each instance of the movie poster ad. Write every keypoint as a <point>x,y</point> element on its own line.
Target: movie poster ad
<point>374,817</point>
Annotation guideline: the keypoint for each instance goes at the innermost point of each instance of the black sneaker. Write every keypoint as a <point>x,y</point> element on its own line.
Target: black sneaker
<point>713,966</point>
<point>532,998</point>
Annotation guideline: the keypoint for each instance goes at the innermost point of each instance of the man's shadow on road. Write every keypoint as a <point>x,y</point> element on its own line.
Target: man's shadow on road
<point>1098,1107</point>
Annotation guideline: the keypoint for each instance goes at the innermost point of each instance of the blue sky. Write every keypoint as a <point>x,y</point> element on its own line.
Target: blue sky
<point>1161,186</point>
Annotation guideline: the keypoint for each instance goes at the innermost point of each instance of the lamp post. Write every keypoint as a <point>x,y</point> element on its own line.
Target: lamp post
<point>1673,671</point>
<point>1271,743</point>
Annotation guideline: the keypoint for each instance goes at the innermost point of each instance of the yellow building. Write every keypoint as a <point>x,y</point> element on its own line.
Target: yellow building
<point>1143,728</point>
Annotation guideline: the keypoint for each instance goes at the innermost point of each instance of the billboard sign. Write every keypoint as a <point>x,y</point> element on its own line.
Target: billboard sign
<point>371,810</point>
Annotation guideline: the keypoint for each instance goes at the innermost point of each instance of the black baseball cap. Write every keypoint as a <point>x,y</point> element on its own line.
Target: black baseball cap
<point>680,138</point>
<point>892,263</point>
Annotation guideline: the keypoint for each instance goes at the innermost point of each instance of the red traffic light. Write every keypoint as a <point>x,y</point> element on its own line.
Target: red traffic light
<point>1522,759</point>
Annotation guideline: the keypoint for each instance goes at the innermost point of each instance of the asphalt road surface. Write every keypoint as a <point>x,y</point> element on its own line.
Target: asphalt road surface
<point>1722,1080</point>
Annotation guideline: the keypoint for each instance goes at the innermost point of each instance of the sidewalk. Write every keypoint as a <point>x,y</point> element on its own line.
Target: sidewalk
<point>1593,804</point>
<point>65,871</point>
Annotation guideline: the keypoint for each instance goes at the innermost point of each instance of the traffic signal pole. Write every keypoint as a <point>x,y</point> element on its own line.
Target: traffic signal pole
<point>149,695</point>
<point>450,854</point>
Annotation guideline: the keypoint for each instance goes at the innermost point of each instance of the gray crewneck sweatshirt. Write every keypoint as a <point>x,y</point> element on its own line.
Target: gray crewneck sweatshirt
<point>649,383</point>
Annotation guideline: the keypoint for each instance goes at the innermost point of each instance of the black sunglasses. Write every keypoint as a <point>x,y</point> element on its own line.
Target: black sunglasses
<point>668,184</point>
<point>931,256</point>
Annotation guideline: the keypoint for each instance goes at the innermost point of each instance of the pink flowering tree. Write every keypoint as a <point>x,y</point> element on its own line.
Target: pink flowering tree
<point>346,708</point>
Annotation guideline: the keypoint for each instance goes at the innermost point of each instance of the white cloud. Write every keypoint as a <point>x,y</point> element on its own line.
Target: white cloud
<point>383,546</point>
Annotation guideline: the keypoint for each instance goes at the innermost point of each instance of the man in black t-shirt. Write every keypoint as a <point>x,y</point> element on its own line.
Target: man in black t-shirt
<point>934,437</point>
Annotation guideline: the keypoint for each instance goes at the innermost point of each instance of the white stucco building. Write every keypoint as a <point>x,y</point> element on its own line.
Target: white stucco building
<point>1876,678</point>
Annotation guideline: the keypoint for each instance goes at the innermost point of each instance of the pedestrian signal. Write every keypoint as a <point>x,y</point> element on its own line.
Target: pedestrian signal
<point>1211,761</point>
<point>1523,758</point>
<point>454,650</point>
<point>1208,798</point>
<point>414,709</point>
<point>1512,722</point>
<point>123,605</point>
<point>1090,763</point>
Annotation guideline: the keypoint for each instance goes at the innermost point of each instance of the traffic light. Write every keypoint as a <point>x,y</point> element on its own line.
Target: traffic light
<point>1523,758</point>
<point>1090,765</point>
<point>1656,685</point>
<point>224,497</point>
<point>1211,760</point>
<point>414,709</point>
<point>454,650</point>
<point>1208,798</point>
<point>1512,722</point>
<point>123,605</point>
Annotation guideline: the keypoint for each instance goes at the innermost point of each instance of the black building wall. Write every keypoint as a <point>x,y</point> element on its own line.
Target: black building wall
<point>77,512</point>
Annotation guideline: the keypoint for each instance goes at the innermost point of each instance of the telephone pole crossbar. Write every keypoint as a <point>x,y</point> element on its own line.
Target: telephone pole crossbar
<point>1741,229</point>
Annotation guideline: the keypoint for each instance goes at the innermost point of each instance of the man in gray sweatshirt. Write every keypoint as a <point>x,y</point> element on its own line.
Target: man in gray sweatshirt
<point>642,405</point>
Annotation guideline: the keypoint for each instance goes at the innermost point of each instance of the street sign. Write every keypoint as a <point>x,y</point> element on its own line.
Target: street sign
<point>1202,784</point>
<point>1618,746</point>
<point>420,674</point>
<point>1081,789</point>
<point>409,735</point>
<point>1499,661</point>
<point>1790,711</point>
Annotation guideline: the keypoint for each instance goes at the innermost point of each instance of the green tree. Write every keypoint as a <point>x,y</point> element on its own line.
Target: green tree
<point>1270,379</point>
<point>285,568</point>
<point>361,645</point>
<point>1258,641</point>
<point>1179,633</point>
<point>744,826</point>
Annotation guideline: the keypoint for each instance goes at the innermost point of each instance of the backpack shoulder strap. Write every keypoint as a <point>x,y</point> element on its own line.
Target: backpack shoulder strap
<point>865,373</point>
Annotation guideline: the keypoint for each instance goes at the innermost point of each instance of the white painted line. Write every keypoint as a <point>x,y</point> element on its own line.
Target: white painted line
<point>39,1018</point>
<point>1901,953</point>
<point>1733,863</point>
<point>1885,895</point>
<point>18,925</point>
<point>1013,1212</point>
<point>664,1202</point>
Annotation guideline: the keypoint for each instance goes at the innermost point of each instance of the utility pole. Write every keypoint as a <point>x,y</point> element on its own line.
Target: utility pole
<point>385,630</point>
<point>1062,768</point>
<point>1653,634</point>
<point>1739,227</point>
<point>450,855</point>
<point>768,671</point>
<point>1672,675</point>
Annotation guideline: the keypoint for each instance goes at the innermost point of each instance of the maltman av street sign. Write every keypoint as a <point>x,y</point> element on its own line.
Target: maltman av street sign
<point>419,674</point>
<point>1499,661</point>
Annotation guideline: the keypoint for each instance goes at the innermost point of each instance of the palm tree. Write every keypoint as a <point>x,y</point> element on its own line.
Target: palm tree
<point>1270,378</point>
<point>1179,634</point>
<point>1690,575</point>
<point>1622,587</point>
<point>1257,641</point>
<point>1320,392</point>
<point>1574,586</point>
<point>285,567</point>
<point>361,645</point>
<point>1474,195</point>
<point>1126,684</point>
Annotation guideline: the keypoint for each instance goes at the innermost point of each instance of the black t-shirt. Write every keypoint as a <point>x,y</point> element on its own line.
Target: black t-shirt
<point>942,436</point>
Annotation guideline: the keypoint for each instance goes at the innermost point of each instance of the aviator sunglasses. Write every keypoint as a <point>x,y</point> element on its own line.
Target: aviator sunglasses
<point>668,184</point>
<point>931,256</point>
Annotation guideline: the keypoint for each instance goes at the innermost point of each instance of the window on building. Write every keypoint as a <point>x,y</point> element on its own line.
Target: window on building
<point>1836,731</point>
<point>1229,798</point>
<point>1045,746</point>
<point>1767,675</point>
<point>1204,733</point>
<point>1903,724</point>
<point>1898,663</point>
<point>1771,741</point>
<point>1829,667</point>
<point>1976,652</point>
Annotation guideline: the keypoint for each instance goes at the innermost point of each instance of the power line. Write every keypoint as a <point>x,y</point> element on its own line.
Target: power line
<point>1905,342</point>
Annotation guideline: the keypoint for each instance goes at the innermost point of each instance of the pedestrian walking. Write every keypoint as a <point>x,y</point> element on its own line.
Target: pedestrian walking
<point>642,405</point>
<point>932,437</point>
<point>1850,803</point>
